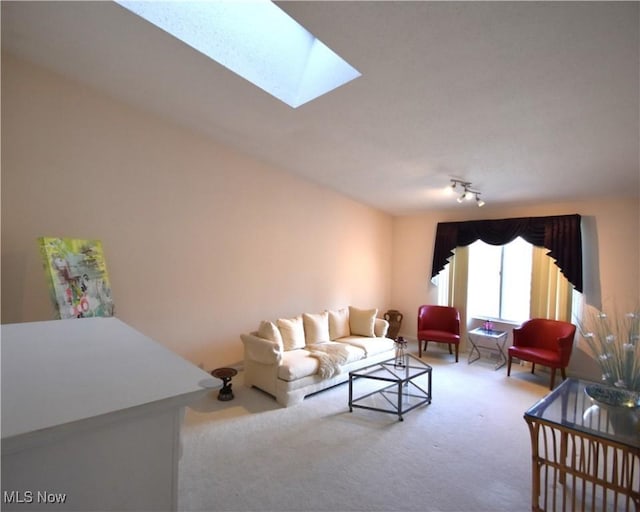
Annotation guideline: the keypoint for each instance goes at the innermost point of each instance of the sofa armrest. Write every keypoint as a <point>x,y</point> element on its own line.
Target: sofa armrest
<point>381,327</point>
<point>261,350</point>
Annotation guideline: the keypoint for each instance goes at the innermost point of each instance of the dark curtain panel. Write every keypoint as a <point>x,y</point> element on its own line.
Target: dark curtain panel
<point>560,234</point>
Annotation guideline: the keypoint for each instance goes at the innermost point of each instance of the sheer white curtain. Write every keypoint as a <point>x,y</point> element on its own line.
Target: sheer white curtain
<point>452,286</point>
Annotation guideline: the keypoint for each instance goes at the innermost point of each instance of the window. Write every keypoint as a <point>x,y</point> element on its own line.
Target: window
<point>257,40</point>
<point>499,283</point>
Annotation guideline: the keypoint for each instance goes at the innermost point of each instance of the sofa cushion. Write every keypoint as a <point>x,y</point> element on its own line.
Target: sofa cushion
<point>339,324</point>
<point>371,346</point>
<point>316,327</point>
<point>292,331</point>
<point>362,321</point>
<point>297,364</point>
<point>269,331</point>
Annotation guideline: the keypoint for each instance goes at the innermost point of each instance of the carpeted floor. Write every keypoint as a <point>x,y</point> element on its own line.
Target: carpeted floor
<point>469,450</point>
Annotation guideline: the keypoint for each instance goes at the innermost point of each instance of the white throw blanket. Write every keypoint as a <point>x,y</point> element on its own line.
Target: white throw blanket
<point>330,357</point>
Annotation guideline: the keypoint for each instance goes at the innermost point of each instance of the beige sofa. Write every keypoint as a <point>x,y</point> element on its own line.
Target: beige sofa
<point>295,357</point>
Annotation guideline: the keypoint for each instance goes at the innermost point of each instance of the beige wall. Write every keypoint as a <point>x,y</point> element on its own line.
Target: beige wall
<point>201,242</point>
<point>611,252</point>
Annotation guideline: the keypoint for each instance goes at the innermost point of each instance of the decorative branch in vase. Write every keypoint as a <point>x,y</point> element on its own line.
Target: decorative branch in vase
<point>615,343</point>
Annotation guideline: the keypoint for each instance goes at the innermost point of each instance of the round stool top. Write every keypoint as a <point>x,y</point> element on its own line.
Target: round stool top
<point>224,373</point>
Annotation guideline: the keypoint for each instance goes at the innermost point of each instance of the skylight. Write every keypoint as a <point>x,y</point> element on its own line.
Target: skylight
<point>255,39</point>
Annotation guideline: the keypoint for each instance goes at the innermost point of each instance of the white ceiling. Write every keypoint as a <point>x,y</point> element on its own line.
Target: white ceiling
<point>527,100</point>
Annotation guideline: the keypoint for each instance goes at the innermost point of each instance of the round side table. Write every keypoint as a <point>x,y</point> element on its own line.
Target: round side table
<point>225,374</point>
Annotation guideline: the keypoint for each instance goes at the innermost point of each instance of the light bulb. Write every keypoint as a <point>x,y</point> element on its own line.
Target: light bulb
<point>450,190</point>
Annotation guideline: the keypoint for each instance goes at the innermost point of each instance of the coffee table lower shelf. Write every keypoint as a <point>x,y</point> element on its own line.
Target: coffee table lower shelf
<point>401,395</point>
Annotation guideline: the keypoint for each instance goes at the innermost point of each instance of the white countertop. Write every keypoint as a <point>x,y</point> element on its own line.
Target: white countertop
<point>63,371</point>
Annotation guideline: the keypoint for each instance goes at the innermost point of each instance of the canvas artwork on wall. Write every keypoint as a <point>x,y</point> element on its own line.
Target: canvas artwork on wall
<point>77,277</point>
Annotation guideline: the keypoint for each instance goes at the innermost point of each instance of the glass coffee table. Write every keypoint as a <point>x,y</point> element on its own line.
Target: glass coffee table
<point>390,387</point>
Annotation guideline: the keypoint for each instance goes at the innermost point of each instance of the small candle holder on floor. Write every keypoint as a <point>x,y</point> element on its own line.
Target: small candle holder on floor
<point>401,357</point>
<point>225,374</point>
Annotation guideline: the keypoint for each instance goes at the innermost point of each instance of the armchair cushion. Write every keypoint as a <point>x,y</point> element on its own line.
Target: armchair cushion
<point>537,355</point>
<point>439,336</point>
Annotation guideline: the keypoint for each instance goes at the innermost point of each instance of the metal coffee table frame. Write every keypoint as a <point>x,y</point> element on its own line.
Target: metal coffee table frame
<point>402,394</point>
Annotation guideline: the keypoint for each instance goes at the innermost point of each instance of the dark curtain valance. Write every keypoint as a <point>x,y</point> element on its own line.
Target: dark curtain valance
<point>560,234</point>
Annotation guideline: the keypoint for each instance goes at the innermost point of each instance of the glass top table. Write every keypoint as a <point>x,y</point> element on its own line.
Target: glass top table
<point>569,406</point>
<point>585,455</point>
<point>391,387</point>
<point>499,339</point>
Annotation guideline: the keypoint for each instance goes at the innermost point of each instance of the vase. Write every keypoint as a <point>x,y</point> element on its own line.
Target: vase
<point>394,317</point>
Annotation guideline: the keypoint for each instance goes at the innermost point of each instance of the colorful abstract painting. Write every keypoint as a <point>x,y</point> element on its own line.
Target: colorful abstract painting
<point>77,277</point>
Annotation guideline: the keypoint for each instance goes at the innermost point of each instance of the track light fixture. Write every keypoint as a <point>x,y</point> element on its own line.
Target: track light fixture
<point>467,192</point>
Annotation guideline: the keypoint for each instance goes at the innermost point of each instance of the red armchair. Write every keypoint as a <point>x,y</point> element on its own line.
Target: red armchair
<point>440,324</point>
<point>545,342</point>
